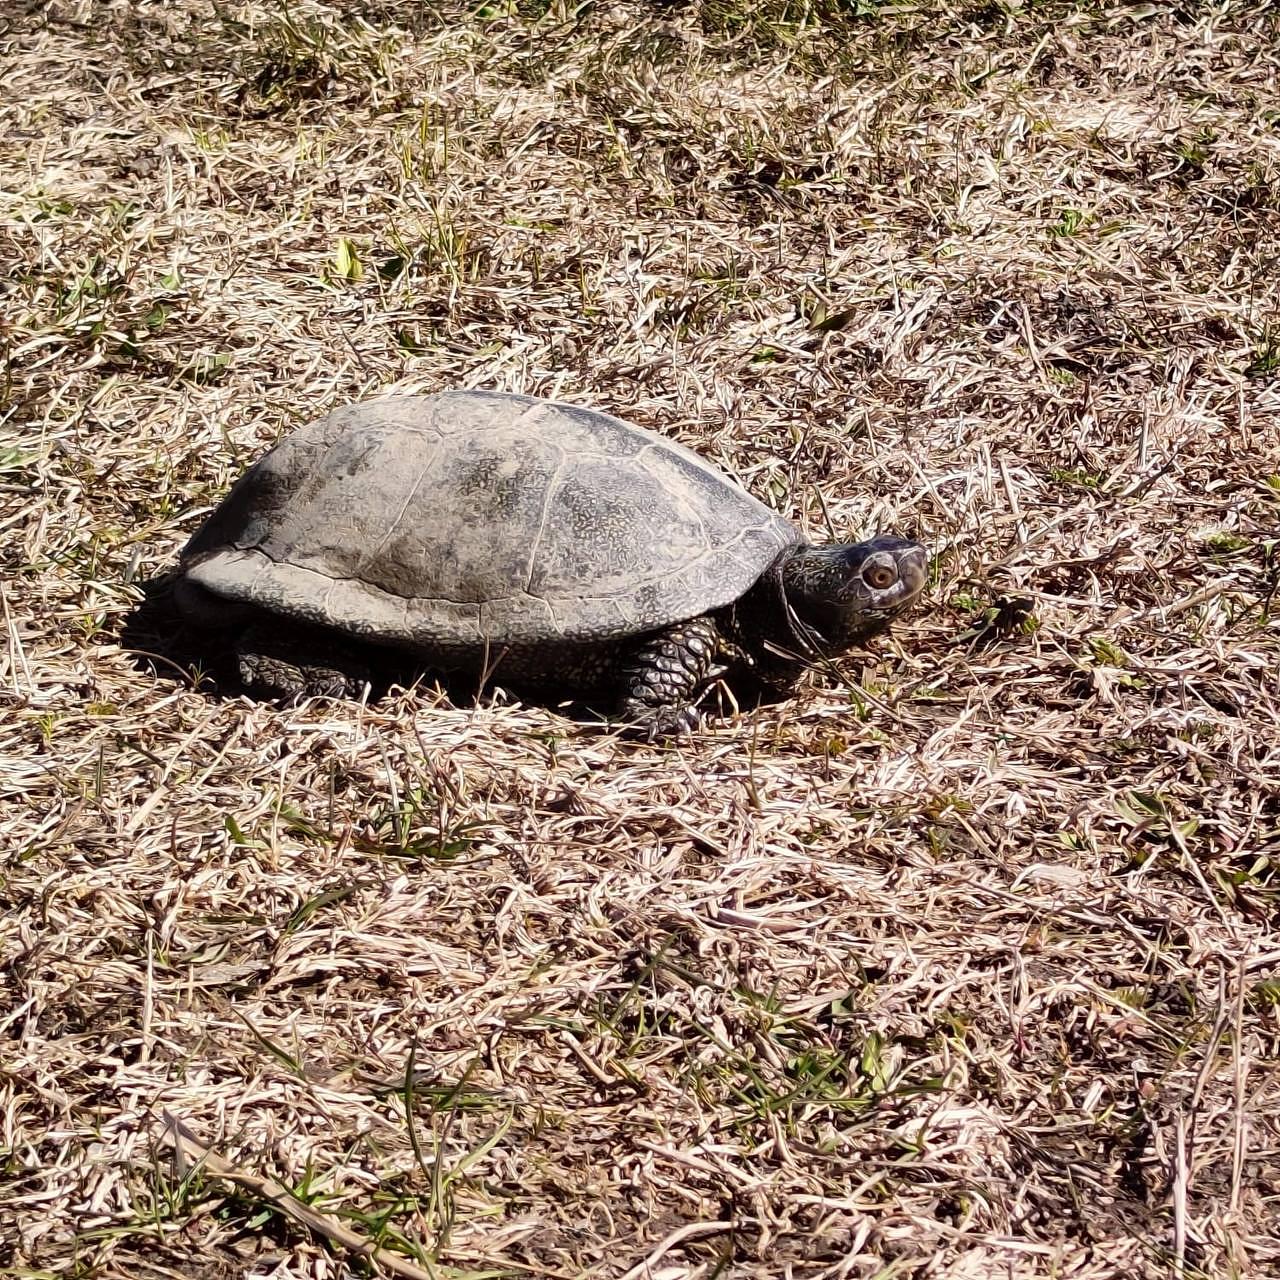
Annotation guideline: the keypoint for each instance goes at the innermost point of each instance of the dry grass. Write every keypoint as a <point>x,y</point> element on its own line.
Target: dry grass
<point>965,969</point>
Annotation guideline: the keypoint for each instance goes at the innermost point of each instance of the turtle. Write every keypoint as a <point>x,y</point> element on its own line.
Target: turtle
<point>552,546</point>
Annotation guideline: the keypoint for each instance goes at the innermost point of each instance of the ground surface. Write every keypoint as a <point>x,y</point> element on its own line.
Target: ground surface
<point>964,968</point>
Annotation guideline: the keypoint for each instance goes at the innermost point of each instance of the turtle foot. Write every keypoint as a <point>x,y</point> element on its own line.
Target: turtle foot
<point>672,720</point>
<point>288,666</point>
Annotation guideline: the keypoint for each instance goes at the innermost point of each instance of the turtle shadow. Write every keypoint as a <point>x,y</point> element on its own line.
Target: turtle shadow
<point>163,646</point>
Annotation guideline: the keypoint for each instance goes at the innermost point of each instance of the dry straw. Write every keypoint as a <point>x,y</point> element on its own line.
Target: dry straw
<point>962,967</point>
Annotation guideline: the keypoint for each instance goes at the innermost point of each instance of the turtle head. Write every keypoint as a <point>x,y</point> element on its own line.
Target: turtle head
<point>850,591</point>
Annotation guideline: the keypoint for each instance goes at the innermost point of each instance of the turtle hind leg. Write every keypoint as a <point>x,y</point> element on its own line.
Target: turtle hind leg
<point>664,675</point>
<point>286,663</point>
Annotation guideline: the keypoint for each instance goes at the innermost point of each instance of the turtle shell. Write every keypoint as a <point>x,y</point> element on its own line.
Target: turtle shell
<point>472,518</point>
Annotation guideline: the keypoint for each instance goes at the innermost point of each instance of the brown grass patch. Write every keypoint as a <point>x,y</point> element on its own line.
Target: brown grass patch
<point>965,969</point>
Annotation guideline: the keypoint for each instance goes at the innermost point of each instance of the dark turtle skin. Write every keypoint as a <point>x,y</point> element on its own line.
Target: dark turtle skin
<point>554,547</point>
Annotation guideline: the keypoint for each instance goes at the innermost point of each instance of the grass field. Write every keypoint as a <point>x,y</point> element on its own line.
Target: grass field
<point>961,965</point>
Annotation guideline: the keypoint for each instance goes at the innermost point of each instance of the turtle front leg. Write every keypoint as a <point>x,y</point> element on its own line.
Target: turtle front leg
<point>663,676</point>
<point>287,664</point>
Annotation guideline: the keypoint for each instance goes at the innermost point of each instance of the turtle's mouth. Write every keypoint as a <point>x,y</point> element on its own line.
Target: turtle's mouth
<point>885,576</point>
<point>910,573</point>
<point>839,597</point>
<point>888,576</point>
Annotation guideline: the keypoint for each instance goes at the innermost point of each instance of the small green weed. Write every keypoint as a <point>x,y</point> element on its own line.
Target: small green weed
<point>1069,222</point>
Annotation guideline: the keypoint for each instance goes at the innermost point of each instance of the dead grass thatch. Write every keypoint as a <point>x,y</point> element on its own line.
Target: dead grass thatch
<point>966,968</point>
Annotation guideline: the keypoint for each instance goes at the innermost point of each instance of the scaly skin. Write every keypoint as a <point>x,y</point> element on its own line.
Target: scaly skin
<point>665,674</point>
<point>289,664</point>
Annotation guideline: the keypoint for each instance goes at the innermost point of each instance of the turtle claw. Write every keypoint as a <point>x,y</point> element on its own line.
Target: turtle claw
<point>655,724</point>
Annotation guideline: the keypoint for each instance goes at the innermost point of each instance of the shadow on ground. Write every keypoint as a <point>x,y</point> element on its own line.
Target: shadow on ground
<point>164,647</point>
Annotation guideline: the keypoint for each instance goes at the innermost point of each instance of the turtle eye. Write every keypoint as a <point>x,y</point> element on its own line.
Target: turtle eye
<point>879,576</point>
